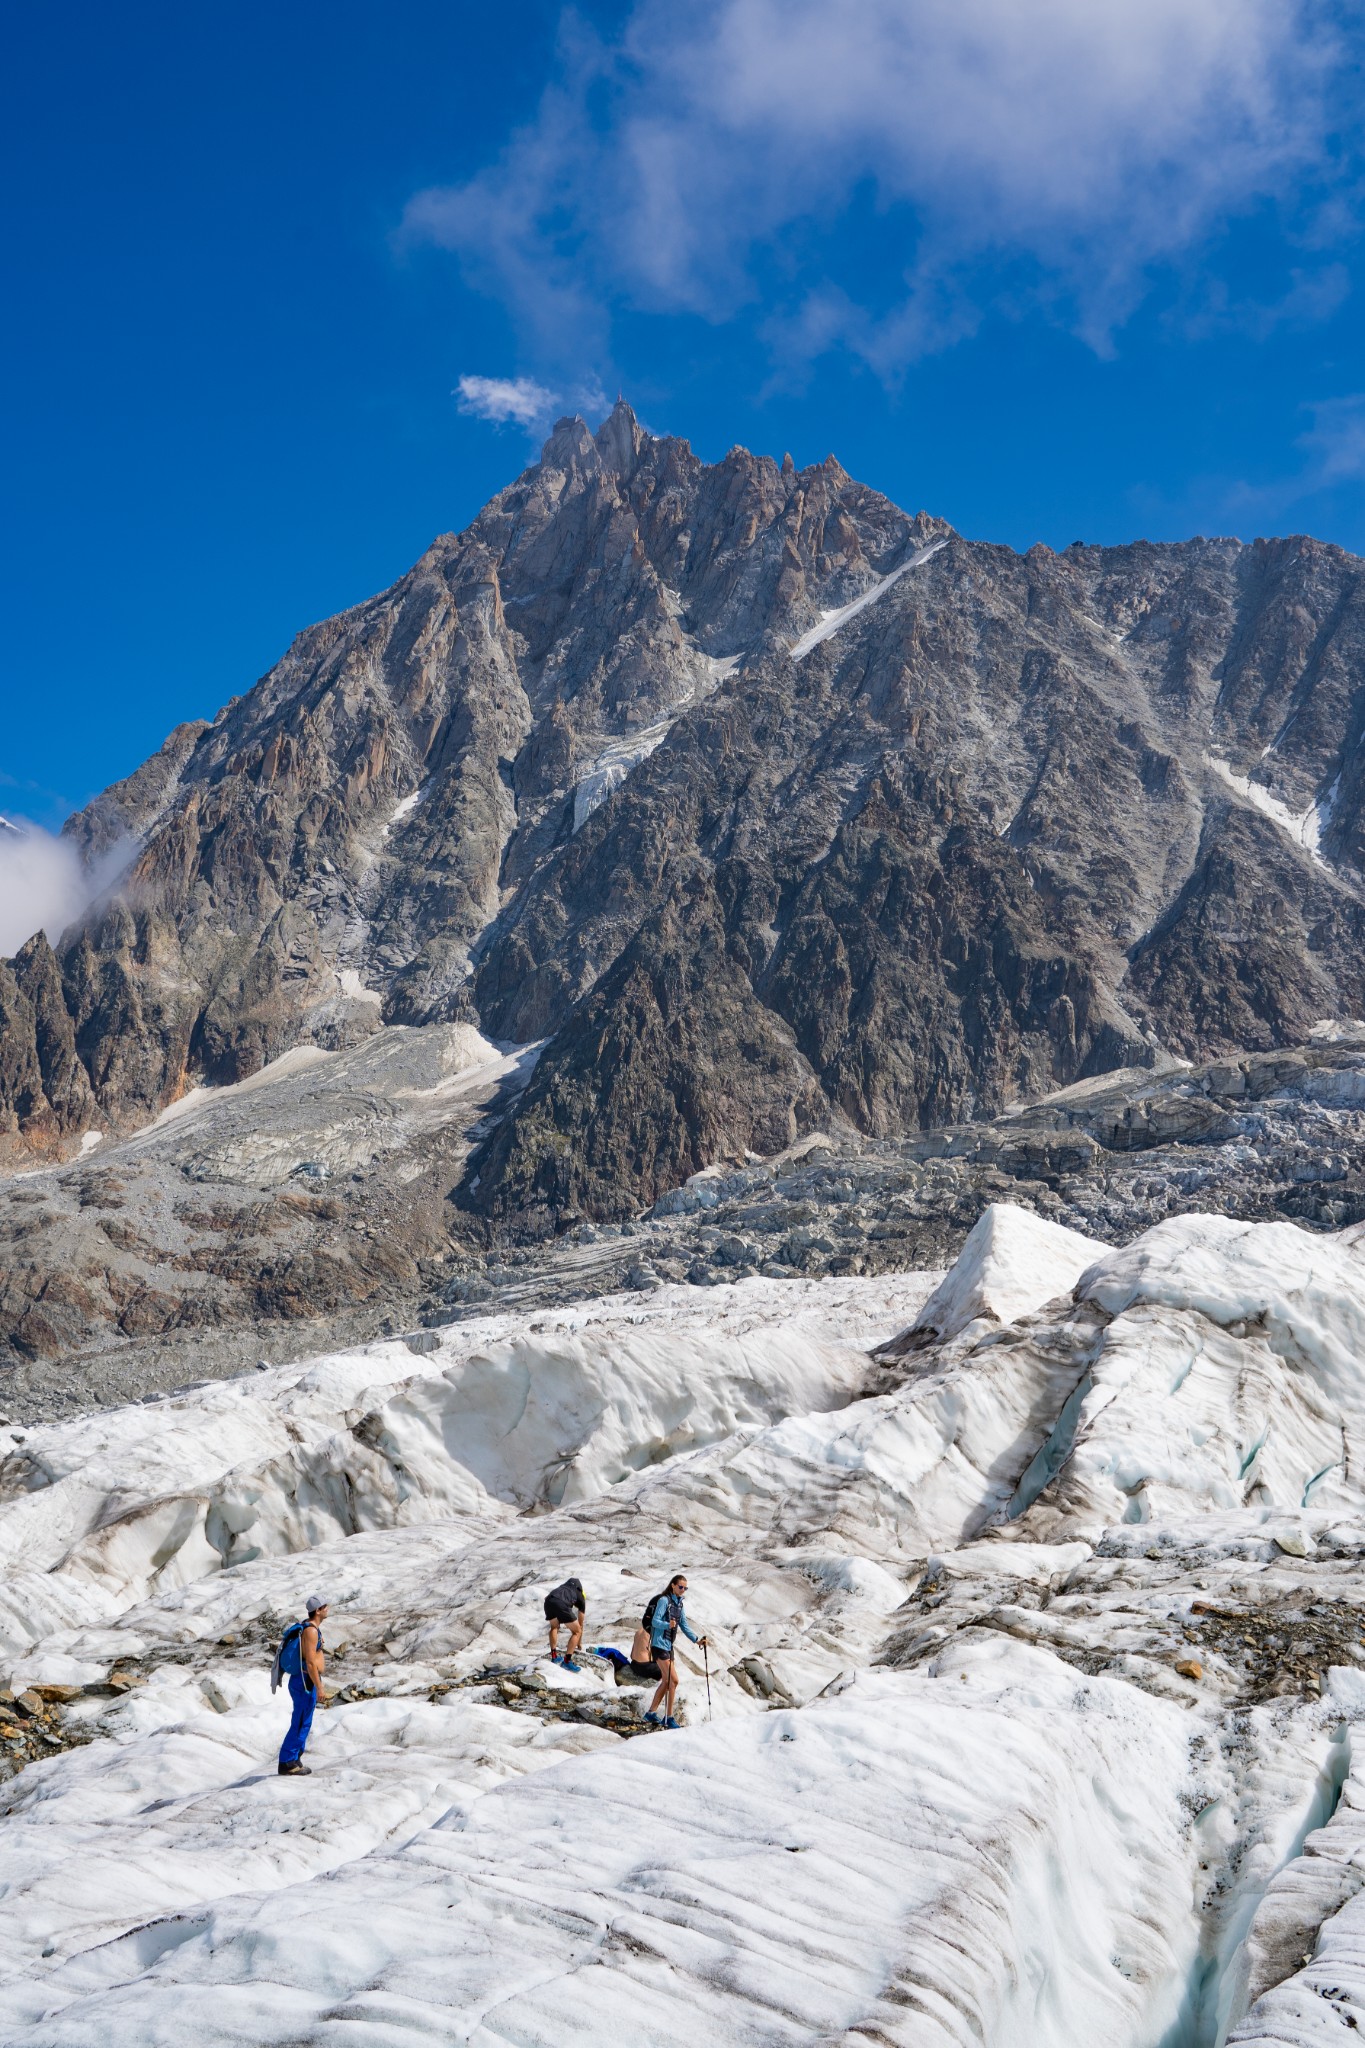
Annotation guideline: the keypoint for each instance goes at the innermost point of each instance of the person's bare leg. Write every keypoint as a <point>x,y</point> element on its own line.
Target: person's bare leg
<point>575,1638</point>
<point>554,1638</point>
<point>665,1665</point>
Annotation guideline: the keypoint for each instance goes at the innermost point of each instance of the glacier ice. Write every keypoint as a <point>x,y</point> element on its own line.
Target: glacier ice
<point>1012,1263</point>
<point>1035,1665</point>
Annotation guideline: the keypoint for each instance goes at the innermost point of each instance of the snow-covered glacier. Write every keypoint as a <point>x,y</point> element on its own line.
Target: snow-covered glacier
<point>1029,1713</point>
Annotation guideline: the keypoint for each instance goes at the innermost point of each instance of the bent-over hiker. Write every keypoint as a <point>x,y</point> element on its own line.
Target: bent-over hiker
<point>663,1617</point>
<point>640,1664</point>
<point>566,1606</point>
<point>301,1658</point>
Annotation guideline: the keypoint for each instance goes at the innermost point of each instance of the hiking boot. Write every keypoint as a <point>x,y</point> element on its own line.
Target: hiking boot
<point>654,1721</point>
<point>555,1657</point>
<point>294,1771</point>
<point>569,1665</point>
<point>669,1722</point>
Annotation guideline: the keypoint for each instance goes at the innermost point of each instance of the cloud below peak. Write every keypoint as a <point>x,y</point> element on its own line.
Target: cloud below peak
<point>43,886</point>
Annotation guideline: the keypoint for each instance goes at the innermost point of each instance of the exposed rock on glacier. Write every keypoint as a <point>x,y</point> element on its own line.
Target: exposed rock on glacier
<point>309,1206</point>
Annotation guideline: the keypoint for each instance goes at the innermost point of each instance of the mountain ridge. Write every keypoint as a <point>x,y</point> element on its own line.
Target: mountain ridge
<point>1016,820</point>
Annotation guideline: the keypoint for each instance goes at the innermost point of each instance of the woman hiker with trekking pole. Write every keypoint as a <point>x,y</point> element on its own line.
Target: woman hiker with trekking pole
<point>664,1616</point>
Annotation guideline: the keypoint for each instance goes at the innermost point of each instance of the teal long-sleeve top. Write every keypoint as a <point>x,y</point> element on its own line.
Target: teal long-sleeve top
<point>669,1616</point>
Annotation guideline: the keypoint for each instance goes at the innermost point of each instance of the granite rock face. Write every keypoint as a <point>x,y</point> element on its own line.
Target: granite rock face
<point>761,806</point>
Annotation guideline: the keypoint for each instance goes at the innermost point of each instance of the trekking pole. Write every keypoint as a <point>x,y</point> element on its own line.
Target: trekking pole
<point>706,1661</point>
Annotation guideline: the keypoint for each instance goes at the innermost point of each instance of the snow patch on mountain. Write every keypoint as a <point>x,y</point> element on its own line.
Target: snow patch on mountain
<point>831,621</point>
<point>611,768</point>
<point>616,760</point>
<point>405,807</point>
<point>353,986</point>
<point>1305,828</point>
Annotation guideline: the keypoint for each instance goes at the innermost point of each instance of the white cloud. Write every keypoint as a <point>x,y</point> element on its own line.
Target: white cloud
<point>1335,443</point>
<point>506,398</point>
<point>1073,144</point>
<point>42,886</point>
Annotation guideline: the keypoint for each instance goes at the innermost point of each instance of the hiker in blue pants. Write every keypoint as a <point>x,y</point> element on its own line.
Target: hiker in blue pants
<point>302,1660</point>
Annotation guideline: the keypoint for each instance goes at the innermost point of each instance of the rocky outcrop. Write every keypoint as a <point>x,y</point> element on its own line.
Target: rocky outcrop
<point>671,1063</point>
<point>45,1091</point>
<point>617,771</point>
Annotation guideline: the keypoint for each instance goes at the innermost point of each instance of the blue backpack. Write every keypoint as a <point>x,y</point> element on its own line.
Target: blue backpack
<point>289,1657</point>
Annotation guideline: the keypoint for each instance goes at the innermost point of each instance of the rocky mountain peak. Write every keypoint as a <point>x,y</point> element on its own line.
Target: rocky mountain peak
<point>614,450</point>
<point>570,448</point>
<point>756,802</point>
<point>619,440</point>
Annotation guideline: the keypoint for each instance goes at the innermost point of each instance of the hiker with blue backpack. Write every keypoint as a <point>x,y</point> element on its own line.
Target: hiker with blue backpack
<point>300,1659</point>
<point>663,1617</point>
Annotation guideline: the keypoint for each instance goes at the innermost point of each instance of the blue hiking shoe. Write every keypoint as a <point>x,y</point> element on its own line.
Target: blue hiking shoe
<point>654,1721</point>
<point>669,1722</point>
<point>569,1665</point>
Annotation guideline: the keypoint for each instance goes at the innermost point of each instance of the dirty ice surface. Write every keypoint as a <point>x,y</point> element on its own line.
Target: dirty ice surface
<point>1036,1676</point>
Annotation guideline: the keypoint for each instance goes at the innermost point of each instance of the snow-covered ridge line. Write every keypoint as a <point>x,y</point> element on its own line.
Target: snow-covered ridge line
<point>830,622</point>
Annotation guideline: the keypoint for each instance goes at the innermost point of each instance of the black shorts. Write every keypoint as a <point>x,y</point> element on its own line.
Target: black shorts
<point>556,1610</point>
<point>645,1670</point>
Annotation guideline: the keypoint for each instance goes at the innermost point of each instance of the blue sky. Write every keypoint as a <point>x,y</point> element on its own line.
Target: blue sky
<point>1070,269</point>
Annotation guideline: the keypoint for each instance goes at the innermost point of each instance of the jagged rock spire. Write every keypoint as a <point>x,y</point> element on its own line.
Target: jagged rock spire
<point>614,448</point>
<point>619,439</point>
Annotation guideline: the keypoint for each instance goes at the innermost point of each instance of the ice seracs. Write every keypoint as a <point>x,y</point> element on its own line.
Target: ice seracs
<point>1012,1263</point>
<point>495,1419</point>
